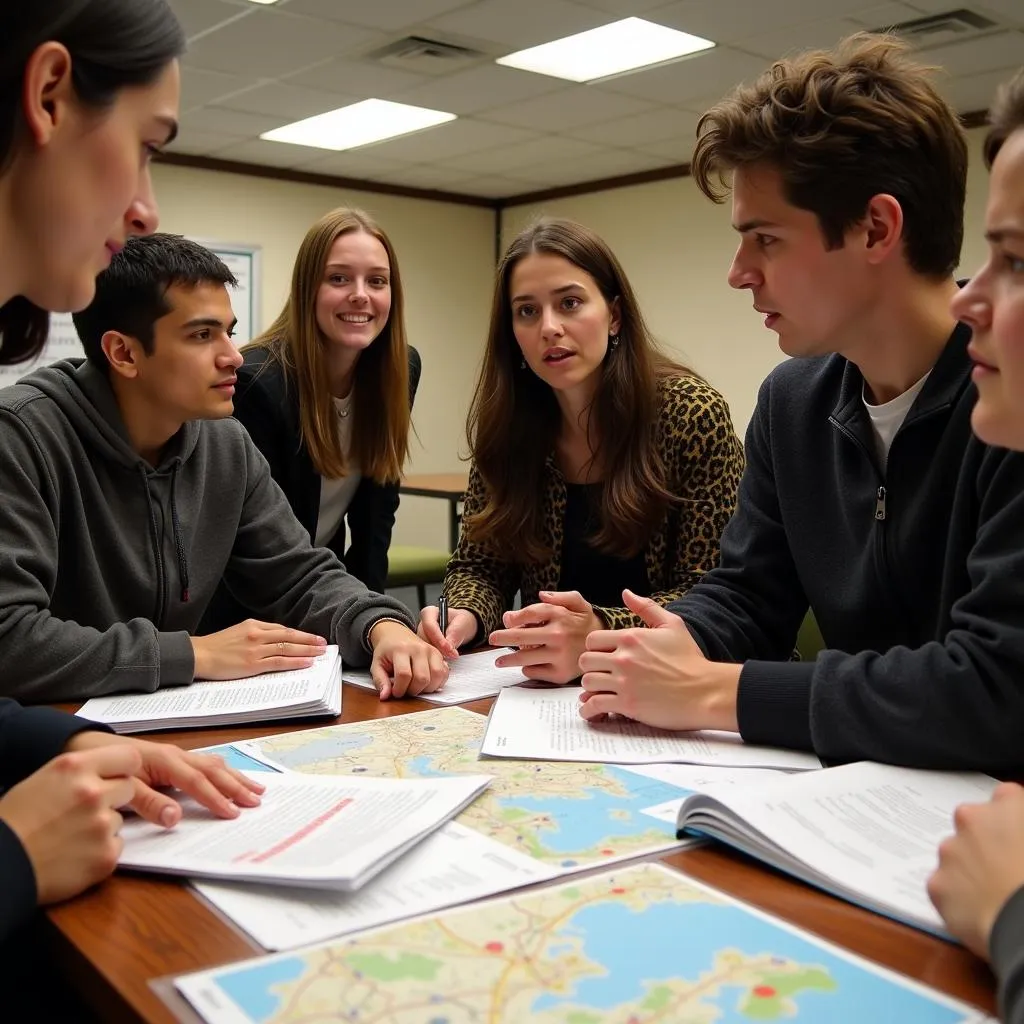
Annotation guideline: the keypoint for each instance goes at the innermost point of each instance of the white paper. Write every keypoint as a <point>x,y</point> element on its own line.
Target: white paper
<point>546,725</point>
<point>697,778</point>
<point>452,866</point>
<point>313,690</point>
<point>326,831</point>
<point>868,831</point>
<point>470,677</point>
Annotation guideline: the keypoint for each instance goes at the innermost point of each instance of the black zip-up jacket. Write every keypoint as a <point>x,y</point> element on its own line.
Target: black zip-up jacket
<point>916,576</point>
<point>29,737</point>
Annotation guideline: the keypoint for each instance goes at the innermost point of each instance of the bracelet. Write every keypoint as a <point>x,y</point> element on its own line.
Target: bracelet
<point>377,622</point>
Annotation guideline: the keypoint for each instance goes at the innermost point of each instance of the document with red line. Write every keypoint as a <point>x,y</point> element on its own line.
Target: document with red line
<point>324,832</point>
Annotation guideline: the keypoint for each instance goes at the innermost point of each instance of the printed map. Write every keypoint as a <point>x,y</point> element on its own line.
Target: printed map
<point>636,946</point>
<point>568,815</point>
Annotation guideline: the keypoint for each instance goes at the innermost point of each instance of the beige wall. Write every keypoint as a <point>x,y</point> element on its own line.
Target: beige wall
<point>446,252</point>
<point>676,247</point>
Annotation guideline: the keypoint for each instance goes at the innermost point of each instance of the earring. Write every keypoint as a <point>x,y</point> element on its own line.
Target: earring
<point>522,364</point>
<point>614,340</point>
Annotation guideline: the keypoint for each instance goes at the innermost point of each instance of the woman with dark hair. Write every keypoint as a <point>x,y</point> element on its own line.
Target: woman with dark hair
<point>326,392</point>
<point>598,464</point>
<point>88,93</point>
<point>979,885</point>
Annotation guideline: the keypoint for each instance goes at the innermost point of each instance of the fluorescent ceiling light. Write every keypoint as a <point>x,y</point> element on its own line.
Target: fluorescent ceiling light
<point>358,124</point>
<point>609,50</point>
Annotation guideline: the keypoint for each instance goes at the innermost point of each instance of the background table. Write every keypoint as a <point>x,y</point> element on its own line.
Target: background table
<point>113,941</point>
<point>449,486</point>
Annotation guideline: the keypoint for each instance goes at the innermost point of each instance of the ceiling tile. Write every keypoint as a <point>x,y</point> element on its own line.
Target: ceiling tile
<point>356,163</point>
<point>269,154</point>
<point>974,92</point>
<point>425,176</point>
<point>884,15</point>
<point>522,23</point>
<point>274,43</point>
<point>654,126</point>
<point>389,16</point>
<point>677,151</point>
<point>605,164</point>
<point>480,88</point>
<point>712,72</point>
<point>199,86</point>
<point>624,8</point>
<point>231,122</point>
<point>1007,11</point>
<point>812,35</point>
<point>358,78</point>
<point>570,106</point>
<point>286,102</point>
<point>508,159</point>
<point>975,56</point>
<point>198,16</point>
<point>451,139</point>
<point>726,20</point>
<point>493,187</point>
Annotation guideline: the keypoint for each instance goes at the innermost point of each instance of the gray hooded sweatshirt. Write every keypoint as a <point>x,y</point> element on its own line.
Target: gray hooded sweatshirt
<point>107,563</point>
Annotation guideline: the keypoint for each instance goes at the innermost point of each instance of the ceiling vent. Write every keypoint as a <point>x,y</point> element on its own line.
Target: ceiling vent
<point>426,56</point>
<point>942,29</point>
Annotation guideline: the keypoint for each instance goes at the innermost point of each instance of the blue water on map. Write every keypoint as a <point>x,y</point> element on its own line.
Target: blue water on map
<point>252,987</point>
<point>680,940</point>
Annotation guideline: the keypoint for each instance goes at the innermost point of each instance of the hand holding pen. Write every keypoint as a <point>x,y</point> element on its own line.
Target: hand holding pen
<point>447,628</point>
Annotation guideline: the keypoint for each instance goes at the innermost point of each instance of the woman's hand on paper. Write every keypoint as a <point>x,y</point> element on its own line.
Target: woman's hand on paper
<point>66,817</point>
<point>657,675</point>
<point>254,647</point>
<point>204,777</point>
<point>404,664</point>
<point>462,627</point>
<point>981,866</point>
<point>550,636</point>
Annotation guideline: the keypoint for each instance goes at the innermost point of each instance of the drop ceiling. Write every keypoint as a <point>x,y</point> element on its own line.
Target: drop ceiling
<point>251,68</point>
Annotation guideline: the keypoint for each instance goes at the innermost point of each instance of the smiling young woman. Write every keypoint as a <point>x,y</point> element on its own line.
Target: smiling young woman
<point>326,394</point>
<point>598,463</point>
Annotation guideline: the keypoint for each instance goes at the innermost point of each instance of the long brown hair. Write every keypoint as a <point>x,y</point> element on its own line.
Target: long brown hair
<point>514,418</point>
<point>380,394</point>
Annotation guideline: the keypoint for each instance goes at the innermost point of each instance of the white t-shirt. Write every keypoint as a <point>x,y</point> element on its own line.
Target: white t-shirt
<point>336,495</point>
<point>887,418</point>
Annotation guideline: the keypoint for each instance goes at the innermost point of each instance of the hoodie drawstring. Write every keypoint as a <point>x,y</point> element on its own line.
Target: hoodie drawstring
<point>179,544</point>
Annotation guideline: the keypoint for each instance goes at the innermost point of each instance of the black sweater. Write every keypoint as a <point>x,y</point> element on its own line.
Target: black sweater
<point>29,737</point>
<point>916,576</point>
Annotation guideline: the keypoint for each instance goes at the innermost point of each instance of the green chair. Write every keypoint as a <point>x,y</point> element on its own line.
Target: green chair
<point>809,640</point>
<point>411,566</point>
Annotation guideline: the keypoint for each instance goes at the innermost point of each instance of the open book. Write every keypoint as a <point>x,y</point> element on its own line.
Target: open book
<point>324,832</point>
<point>866,832</point>
<point>302,693</point>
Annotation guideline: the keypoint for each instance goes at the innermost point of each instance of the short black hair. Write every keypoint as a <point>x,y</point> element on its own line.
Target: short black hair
<point>114,44</point>
<point>131,294</point>
<point>1005,116</point>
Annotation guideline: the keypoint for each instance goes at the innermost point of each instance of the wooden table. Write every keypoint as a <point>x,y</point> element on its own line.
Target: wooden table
<point>113,941</point>
<point>450,486</point>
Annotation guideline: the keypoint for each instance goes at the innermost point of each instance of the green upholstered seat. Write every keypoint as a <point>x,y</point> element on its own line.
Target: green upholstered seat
<point>411,566</point>
<point>809,640</point>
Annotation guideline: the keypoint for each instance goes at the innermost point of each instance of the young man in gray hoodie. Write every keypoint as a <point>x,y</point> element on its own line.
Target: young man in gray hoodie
<point>129,493</point>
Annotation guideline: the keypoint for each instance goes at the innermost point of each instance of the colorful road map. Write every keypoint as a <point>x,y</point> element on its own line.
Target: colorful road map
<point>569,816</point>
<point>636,946</point>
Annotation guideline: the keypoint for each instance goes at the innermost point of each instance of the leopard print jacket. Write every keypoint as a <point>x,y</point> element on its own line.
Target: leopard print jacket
<point>704,460</point>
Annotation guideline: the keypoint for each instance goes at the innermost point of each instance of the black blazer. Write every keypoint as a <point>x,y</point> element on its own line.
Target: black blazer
<point>270,413</point>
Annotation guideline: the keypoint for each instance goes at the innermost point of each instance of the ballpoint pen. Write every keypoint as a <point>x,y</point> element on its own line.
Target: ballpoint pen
<point>442,614</point>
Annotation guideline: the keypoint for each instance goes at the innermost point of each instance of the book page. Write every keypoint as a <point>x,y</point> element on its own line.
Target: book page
<point>452,866</point>
<point>873,829</point>
<point>470,677</point>
<point>307,830</point>
<point>546,725</point>
<point>269,690</point>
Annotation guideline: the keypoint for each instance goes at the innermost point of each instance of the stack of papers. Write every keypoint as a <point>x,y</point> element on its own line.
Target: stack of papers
<point>303,693</point>
<point>865,832</point>
<point>325,833</point>
<point>546,725</point>
<point>470,677</point>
